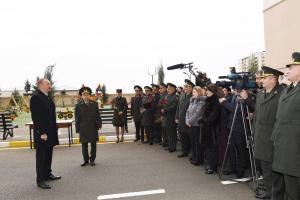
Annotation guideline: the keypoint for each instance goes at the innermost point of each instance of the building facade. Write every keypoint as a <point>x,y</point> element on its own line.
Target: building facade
<point>243,63</point>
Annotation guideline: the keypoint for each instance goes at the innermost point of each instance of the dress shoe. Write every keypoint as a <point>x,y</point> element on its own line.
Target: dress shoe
<point>84,164</point>
<point>262,194</point>
<point>228,172</point>
<point>206,167</point>
<point>172,150</point>
<point>136,140</point>
<point>53,178</point>
<point>122,139</point>
<point>209,171</point>
<point>195,163</point>
<point>240,174</point>
<point>182,155</point>
<point>150,143</point>
<point>92,163</point>
<point>43,185</point>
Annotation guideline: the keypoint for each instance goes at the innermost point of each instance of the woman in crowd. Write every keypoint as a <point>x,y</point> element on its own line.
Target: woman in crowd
<point>193,115</point>
<point>210,123</point>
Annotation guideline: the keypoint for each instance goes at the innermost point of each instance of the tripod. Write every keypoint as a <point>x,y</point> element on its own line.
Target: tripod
<point>249,142</point>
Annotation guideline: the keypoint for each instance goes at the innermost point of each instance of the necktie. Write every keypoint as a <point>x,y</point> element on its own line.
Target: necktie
<point>290,88</point>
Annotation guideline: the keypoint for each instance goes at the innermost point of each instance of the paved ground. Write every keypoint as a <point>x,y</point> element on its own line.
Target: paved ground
<point>120,168</point>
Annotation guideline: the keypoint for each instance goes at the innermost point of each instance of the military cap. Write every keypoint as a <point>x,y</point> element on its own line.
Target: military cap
<point>296,59</point>
<point>189,83</point>
<point>268,71</point>
<point>164,85</point>
<point>171,85</point>
<point>137,87</point>
<point>147,88</point>
<point>85,90</point>
<point>155,85</point>
<point>119,90</point>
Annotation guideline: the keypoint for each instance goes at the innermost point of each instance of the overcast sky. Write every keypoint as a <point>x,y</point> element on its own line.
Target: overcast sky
<point>116,41</point>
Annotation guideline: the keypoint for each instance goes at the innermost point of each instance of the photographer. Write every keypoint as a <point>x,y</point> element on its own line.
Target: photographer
<point>237,153</point>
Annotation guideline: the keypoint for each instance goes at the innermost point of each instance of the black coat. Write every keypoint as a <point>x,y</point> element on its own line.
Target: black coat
<point>43,115</point>
<point>88,121</point>
<point>148,106</point>
<point>119,104</point>
<point>210,121</point>
<point>136,105</point>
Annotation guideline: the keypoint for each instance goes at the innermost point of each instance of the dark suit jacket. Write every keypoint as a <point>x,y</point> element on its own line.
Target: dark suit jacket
<point>44,119</point>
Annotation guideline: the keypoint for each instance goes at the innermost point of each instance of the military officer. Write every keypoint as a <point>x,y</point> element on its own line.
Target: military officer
<point>183,105</point>
<point>157,123</point>
<point>148,114</point>
<point>286,133</point>
<point>264,120</point>
<point>136,106</point>
<point>88,122</point>
<point>158,116</point>
<point>169,111</point>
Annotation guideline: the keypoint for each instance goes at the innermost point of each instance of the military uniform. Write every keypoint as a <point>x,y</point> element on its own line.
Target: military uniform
<point>169,112</point>
<point>88,122</point>
<point>136,105</point>
<point>264,120</point>
<point>161,135</point>
<point>148,115</point>
<point>286,136</point>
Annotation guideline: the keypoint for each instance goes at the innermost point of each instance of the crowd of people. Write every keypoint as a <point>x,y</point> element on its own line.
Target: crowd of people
<point>210,122</point>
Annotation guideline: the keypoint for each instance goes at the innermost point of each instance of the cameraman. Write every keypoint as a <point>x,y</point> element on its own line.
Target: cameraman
<point>237,154</point>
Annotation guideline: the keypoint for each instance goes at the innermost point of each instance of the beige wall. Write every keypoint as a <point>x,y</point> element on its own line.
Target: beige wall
<point>282,31</point>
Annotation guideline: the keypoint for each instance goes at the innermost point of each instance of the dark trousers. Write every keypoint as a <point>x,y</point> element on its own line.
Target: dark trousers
<point>85,151</point>
<point>278,191</point>
<point>292,187</point>
<point>157,132</point>
<point>165,137</point>
<point>185,142</point>
<point>196,148</point>
<point>237,152</point>
<point>139,131</point>
<point>149,133</point>
<point>266,168</point>
<point>172,134</point>
<point>43,163</point>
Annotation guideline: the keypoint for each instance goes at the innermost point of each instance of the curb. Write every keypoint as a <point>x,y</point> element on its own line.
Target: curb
<point>64,141</point>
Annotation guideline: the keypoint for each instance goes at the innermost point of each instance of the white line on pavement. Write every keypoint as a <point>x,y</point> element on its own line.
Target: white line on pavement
<point>131,194</point>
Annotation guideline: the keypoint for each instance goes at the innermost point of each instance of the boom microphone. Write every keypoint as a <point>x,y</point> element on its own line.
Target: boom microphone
<point>178,66</point>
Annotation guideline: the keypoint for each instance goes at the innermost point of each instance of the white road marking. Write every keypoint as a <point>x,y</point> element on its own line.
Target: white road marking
<point>131,194</point>
<point>228,182</point>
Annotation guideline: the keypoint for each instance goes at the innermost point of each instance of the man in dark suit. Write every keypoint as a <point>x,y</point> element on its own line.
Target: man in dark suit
<point>286,133</point>
<point>264,120</point>
<point>147,113</point>
<point>88,122</point>
<point>45,132</point>
<point>183,105</point>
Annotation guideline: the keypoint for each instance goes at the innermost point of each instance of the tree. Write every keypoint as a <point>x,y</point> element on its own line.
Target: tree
<point>16,95</point>
<point>27,86</point>
<point>104,94</point>
<point>253,64</point>
<point>161,74</point>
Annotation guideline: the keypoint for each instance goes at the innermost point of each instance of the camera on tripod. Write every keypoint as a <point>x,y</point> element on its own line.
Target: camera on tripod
<point>240,80</point>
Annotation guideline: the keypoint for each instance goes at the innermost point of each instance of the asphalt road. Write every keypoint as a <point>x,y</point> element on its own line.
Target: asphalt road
<point>120,168</point>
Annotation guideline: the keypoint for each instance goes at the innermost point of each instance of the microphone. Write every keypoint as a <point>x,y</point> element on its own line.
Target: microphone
<point>178,66</point>
<point>222,77</point>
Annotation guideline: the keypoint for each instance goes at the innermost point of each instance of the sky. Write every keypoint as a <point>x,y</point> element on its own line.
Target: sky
<point>118,42</point>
